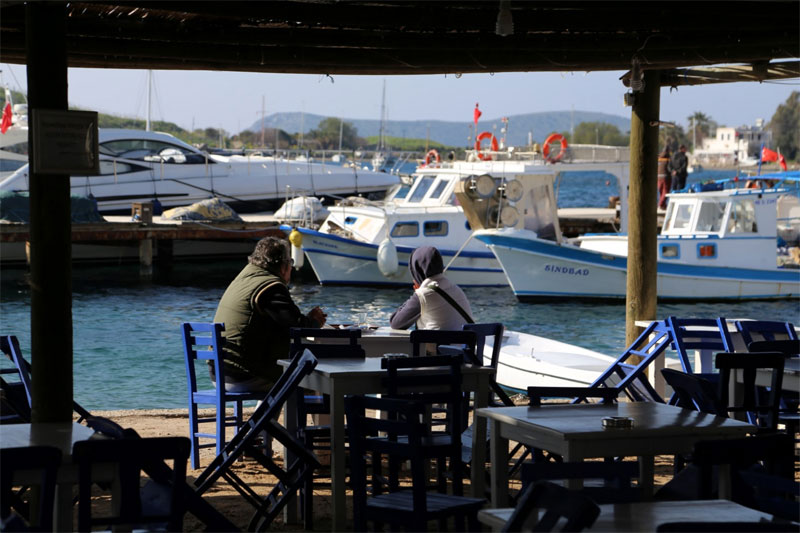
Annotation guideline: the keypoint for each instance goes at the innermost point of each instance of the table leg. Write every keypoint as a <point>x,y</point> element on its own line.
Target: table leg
<point>499,469</point>
<point>338,490</point>
<point>290,512</point>
<point>477,468</point>
<point>646,475</point>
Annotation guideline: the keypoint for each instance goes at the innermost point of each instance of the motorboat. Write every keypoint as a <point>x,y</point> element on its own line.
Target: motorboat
<point>144,166</point>
<point>716,243</point>
<point>369,243</point>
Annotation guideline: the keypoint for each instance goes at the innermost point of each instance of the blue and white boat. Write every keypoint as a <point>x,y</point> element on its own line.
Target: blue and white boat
<point>351,244</point>
<point>714,245</point>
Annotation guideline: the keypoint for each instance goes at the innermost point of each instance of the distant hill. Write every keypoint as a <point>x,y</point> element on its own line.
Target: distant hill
<point>454,133</point>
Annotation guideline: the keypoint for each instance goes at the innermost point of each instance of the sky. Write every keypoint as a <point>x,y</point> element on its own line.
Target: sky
<point>233,100</point>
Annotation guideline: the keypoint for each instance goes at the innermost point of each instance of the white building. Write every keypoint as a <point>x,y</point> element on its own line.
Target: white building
<point>734,146</point>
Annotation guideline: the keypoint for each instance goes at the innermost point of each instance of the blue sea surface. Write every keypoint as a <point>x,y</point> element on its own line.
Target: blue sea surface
<point>127,345</point>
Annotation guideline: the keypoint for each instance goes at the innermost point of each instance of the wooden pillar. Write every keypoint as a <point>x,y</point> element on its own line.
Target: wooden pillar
<point>50,241</point>
<point>640,303</point>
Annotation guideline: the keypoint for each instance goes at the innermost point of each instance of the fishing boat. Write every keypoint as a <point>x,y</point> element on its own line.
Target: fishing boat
<point>716,243</point>
<point>145,166</point>
<point>369,243</point>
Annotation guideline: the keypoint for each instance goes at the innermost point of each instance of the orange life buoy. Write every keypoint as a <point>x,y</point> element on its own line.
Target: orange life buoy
<point>554,137</point>
<point>493,144</point>
<point>432,156</point>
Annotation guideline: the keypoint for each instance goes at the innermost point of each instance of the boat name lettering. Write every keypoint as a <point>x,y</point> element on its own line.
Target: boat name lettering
<point>567,270</point>
<point>325,244</point>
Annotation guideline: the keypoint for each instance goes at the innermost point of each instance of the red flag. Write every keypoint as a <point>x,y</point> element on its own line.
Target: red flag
<point>782,161</point>
<point>476,114</point>
<point>768,155</point>
<point>5,123</point>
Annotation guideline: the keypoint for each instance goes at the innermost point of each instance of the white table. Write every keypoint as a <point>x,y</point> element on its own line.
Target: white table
<point>647,516</point>
<point>62,435</point>
<point>339,377</point>
<point>576,433</point>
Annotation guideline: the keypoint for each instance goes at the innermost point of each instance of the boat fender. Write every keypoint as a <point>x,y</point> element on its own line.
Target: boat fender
<point>387,258</point>
<point>554,137</point>
<point>432,157</point>
<point>492,143</point>
<point>296,239</point>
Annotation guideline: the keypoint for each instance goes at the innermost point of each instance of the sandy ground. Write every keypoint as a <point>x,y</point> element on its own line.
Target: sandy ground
<point>159,423</point>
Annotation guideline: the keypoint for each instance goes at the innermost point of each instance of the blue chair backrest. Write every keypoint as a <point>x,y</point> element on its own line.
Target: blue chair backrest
<point>203,341</point>
<point>768,330</point>
<point>10,347</point>
<point>706,334</point>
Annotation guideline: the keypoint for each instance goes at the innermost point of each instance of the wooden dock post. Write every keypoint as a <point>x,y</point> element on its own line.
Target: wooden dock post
<point>640,303</point>
<point>143,212</point>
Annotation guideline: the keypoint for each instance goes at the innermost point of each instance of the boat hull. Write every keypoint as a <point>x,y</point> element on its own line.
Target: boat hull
<point>542,270</point>
<point>340,261</point>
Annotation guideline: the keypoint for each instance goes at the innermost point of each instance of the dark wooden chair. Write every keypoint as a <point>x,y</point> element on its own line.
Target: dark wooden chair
<point>604,481</point>
<point>406,437</point>
<point>425,338</point>
<point>17,514</point>
<point>292,475</point>
<point>694,392</point>
<point>574,510</point>
<point>317,437</point>
<point>203,341</point>
<point>761,406</point>
<point>165,508</point>
<point>788,347</point>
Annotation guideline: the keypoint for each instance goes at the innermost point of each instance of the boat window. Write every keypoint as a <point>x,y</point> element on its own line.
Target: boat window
<point>422,187</point>
<point>350,220</point>
<point>405,229</point>
<point>670,251</point>
<point>110,168</point>
<point>437,191</point>
<point>152,151</point>
<point>683,216</point>
<point>710,216</point>
<point>541,215</point>
<point>707,250</point>
<point>743,217</point>
<point>437,228</point>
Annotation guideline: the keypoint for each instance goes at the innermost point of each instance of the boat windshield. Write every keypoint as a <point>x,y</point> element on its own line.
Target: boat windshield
<point>151,150</point>
<point>743,217</point>
<point>710,216</point>
<point>418,193</point>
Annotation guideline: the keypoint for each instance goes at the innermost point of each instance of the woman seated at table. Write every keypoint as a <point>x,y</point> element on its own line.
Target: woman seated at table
<point>437,302</point>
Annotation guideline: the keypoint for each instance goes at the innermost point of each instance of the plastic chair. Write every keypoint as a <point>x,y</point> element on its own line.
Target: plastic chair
<point>9,345</point>
<point>405,441</point>
<point>291,474</point>
<point>767,330</point>
<point>16,514</point>
<point>204,341</point>
<point>130,507</point>
<point>578,511</point>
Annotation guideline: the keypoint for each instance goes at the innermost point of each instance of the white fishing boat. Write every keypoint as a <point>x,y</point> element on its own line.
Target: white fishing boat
<point>370,243</point>
<point>527,360</point>
<point>714,245</point>
<point>143,166</point>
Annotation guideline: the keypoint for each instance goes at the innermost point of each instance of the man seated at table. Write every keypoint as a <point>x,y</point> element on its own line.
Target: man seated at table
<point>258,311</point>
<point>437,302</point>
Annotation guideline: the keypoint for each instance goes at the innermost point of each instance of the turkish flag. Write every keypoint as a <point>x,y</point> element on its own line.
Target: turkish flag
<point>782,162</point>
<point>476,114</point>
<point>768,155</point>
<point>5,123</point>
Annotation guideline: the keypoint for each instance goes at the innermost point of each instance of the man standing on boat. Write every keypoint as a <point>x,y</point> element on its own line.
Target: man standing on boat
<point>258,311</point>
<point>664,181</point>
<point>680,168</point>
<point>437,302</point>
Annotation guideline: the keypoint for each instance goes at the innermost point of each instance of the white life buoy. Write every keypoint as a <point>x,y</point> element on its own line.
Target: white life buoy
<point>388,263</point>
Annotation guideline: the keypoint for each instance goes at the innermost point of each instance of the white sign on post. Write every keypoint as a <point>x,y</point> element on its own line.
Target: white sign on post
<point>64,142</point>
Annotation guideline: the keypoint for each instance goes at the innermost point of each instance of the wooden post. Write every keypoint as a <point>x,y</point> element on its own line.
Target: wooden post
<point>50,226</point>
<point>640,303</point>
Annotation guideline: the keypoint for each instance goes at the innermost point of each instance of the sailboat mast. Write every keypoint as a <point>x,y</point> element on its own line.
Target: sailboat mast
<point>149,89</point>
<point>381,140</point>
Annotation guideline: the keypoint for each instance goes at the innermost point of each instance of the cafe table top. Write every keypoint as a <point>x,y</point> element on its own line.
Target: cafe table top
<point>647,516</point>
<point>61,435</point>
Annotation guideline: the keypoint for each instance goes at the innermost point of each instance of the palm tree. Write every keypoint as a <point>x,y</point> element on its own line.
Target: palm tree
<point>700,124</point>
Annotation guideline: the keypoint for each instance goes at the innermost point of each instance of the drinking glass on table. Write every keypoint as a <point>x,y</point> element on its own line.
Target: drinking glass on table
<point>362,320</point>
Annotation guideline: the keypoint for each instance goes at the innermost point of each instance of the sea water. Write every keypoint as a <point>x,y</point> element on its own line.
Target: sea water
<point>127,348</point>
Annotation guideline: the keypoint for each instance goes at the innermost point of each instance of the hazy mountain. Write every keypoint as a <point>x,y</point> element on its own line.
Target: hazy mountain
<point>454,133</point>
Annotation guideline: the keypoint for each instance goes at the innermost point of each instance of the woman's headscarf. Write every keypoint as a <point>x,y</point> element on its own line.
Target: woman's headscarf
<point>426,261</point>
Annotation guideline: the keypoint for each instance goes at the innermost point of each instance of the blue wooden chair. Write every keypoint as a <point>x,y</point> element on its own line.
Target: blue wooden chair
<point>204,341</point>
<point>694,392</point>
<point>765,330</point>
<point>291,475</point>
<point>707,335</point>
<point>577,511</point>
<point>9,345</point>
<point>164,508</point>
<point>407,439</point>
<point>15,513</point>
